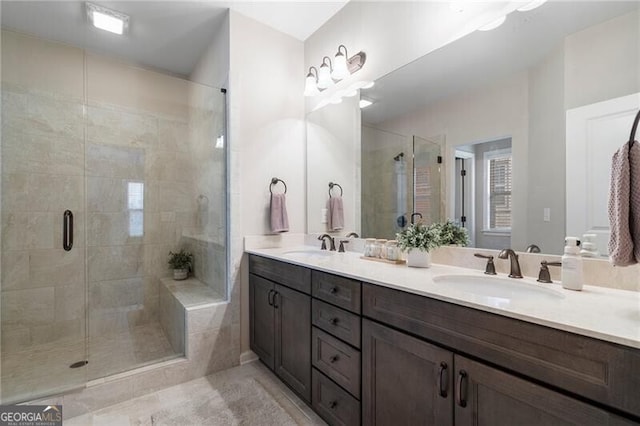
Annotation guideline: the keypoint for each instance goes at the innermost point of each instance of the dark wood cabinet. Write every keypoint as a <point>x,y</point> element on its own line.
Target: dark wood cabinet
<point>293,339</point>
<point>366,354</point>
<point>262,319</point>
<point>487,396</point>
<point>405,381</point>
<point>280,324</point>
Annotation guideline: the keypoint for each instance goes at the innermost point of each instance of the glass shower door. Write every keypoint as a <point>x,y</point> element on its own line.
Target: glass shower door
<point>427,175</point>
<point>42,291</point>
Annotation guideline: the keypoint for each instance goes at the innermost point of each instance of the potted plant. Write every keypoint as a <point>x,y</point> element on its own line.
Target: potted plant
<point>418,240</point>
<point>450,233</point>
<point>181,263</point>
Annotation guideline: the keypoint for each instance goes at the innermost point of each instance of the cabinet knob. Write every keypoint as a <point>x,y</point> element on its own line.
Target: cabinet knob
<point>334,359</point>
<point>333,290</point>
<point>333,404</point>
<point>334,321</point>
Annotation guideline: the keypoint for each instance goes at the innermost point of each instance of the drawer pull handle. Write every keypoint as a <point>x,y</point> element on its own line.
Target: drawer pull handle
<point>269,297</point>
<point>275,304</point>
<point>334,321</point>
<point>333,404</point>
<point>443,381</point>
<point>334,359</point>
<point>333,290</point>
<point>461,395</point>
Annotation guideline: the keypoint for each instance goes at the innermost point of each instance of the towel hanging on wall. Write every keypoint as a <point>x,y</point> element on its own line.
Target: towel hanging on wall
<point>279,218</point>
<point>624,203</point>
<point>335,209</point>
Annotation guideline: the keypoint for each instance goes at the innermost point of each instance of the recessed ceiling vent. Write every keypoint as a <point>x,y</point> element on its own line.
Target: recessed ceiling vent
<point>107,19</point>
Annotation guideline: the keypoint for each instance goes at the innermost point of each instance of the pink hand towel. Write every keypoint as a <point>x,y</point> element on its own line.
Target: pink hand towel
<point>278,212</point>
<point>335,216</point>
<point>624,206</point>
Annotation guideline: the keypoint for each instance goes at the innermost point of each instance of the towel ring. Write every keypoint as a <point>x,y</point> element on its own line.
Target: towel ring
<point>632,138</point>
<point>331,185</point>
<point>274,181</point>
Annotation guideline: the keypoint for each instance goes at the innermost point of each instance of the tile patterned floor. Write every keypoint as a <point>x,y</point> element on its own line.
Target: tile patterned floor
<point>144,410</point>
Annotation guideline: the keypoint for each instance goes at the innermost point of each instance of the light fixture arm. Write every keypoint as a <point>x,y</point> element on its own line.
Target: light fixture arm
<point>330,64</point>
<point>346,55</point>
<point>311,74</point>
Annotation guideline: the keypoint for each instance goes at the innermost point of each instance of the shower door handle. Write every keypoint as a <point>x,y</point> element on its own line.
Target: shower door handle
<point>67,230</point>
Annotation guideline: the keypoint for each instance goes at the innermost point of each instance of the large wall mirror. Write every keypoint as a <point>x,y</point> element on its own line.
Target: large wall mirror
<point>509,132</point>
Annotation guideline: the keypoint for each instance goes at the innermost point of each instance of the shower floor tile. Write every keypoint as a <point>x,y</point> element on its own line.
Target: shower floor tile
<point>44,369</point>
<point>140,346</point>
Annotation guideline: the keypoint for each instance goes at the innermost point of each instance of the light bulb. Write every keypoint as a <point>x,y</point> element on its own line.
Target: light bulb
<point>324,77</point>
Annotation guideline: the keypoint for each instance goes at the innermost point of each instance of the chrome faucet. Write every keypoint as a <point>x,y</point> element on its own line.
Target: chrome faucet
<point>515,265</point>
<point>332,242</point>
<point>353,234</point>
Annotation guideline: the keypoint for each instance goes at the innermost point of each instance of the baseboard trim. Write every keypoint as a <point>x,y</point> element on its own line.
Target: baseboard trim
<point>247,357</point>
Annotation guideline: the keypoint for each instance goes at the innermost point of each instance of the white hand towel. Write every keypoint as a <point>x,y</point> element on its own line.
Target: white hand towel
<point>624,206</point>
<point>278,212</point>
<point>335,216</point>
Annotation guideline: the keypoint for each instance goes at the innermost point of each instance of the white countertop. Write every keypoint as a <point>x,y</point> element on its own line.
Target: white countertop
<point>598,312</point>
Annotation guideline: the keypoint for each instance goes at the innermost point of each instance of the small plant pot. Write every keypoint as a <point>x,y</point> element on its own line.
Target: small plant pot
<point>418,258</point>
<point>180,274</point>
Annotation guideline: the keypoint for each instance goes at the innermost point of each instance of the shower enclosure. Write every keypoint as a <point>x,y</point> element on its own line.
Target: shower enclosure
<point>106,168</point>
<point>401,181</point>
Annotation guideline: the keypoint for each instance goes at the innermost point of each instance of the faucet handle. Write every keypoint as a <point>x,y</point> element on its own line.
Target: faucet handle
<point>491,267</point>
<point>324,243</point>
<point>545,276</point>
<point>342,243</point>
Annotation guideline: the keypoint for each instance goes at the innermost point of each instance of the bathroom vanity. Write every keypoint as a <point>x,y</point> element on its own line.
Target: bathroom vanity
<point>367,343</point>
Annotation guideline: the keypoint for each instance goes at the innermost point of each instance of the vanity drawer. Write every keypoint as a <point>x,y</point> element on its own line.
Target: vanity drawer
<point>592,368</point>
<point>293,276</point>
<point>337,360</point>
<point>333,403</point>
<point>338,322</point>
<point>339,291</point>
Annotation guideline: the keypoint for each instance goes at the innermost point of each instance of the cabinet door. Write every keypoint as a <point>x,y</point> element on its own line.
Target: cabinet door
<point>293,339</point>
<point>405,381</point>
<point>486,396</point>
<point>261,314</point>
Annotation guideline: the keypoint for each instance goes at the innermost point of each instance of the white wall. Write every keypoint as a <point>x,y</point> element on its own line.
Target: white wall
<point>333,155</point>
<point>267,137</point>
<point>212,68</point>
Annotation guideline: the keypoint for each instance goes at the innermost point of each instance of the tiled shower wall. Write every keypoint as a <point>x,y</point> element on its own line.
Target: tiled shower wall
<point>129,151</point>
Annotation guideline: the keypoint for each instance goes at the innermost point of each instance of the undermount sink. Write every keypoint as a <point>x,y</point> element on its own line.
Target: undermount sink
<point>498,290</point>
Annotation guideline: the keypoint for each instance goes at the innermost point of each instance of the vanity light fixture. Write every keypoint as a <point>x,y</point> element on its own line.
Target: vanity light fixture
<point>532,5</point>
<point>493,24</point>
<point>324,74</point>
<point>107,19</point>
<point>311,83</point>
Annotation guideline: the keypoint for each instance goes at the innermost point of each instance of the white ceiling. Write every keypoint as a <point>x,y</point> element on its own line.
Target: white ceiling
<point>167,35</point>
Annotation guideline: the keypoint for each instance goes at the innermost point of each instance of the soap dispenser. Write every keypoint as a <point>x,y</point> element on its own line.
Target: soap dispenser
<point>572,274</point>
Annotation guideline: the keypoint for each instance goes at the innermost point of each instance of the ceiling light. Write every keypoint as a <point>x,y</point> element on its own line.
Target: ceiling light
<point>530,6</point>
<point>324,75</point>
<point>311,83</point>
<point>107,19</point>
<point>365,103</point>
<point>493,24</point>
<point>340,69</point>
